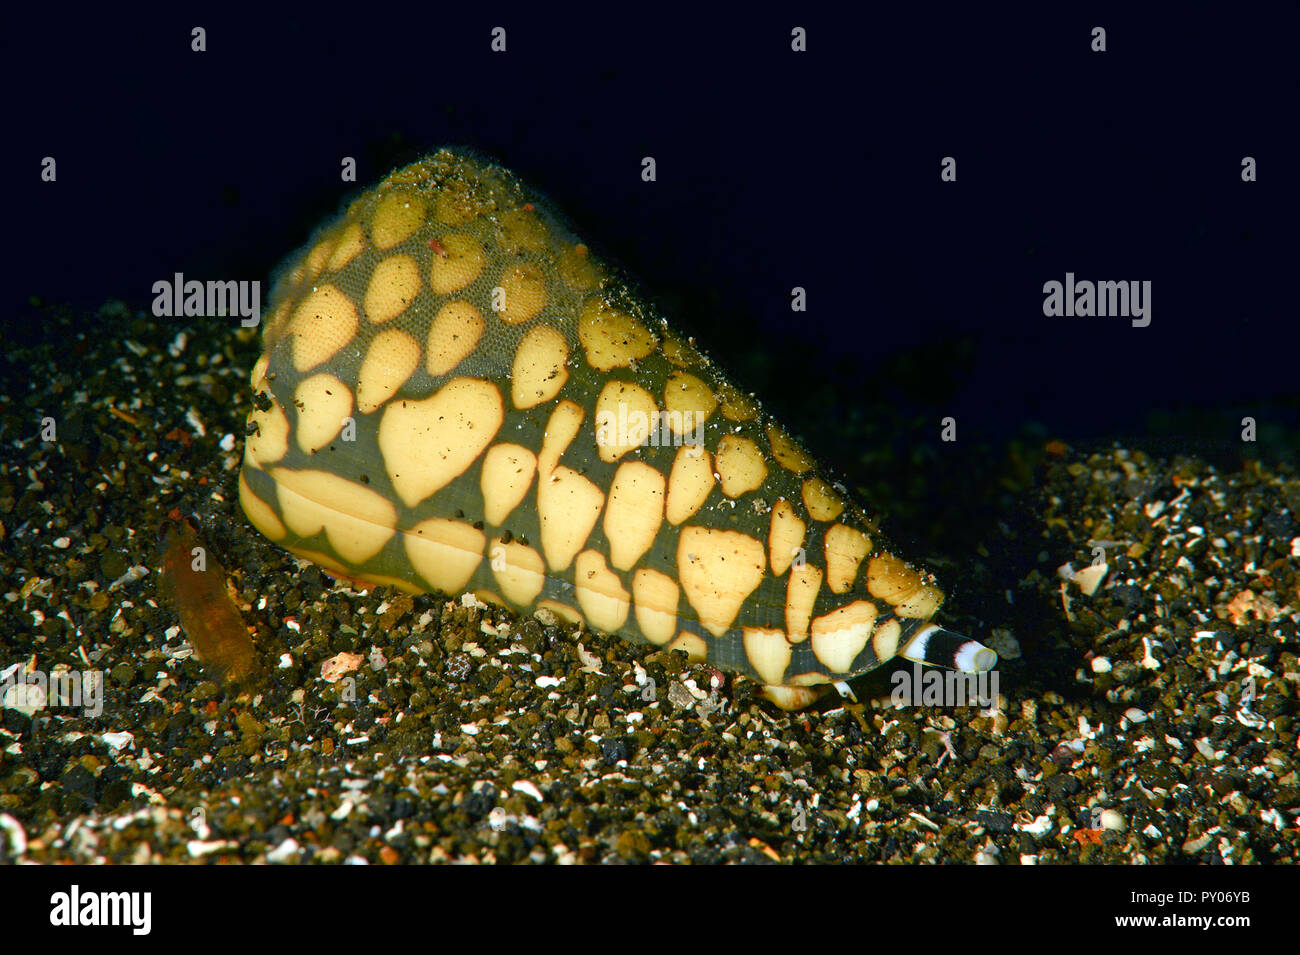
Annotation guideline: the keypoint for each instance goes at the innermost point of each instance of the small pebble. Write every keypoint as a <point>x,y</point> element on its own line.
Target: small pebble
<point>1110,819</point>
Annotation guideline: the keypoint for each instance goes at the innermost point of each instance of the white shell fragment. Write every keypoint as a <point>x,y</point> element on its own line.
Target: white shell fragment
<point>26,698</point>
<point>1090,578</point>
<point>1112,820</point>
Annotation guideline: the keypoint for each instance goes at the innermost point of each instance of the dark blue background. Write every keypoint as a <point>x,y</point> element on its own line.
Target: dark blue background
<point>775,170</point>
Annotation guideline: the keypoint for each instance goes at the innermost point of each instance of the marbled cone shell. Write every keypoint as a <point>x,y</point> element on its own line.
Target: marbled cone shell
<point>438,364</point>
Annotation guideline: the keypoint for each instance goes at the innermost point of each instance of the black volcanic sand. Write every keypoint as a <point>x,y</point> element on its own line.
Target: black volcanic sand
<point>1154,720</point>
